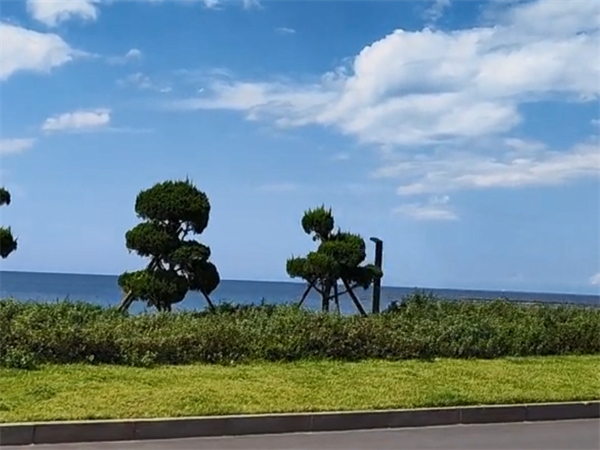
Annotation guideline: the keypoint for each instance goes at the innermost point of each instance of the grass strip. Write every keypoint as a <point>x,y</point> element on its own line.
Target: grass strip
<point>77,392</point>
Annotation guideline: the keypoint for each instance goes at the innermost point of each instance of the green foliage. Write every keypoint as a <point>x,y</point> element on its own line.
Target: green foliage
<point>420,327</point>
<point>339,257</point>
<point>173,203</point>
<point>318,222</point>
<point>160,288</point>
<point>8,243</point>
<point>203,277</point>
<point>171,211</point>
<point>4,197</point>
<point>152,239</point>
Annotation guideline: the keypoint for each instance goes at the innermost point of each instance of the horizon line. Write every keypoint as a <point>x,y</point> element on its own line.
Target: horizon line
<point>504,291</point>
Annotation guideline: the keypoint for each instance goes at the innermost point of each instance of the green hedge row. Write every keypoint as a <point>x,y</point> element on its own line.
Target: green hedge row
<point>420,327</point>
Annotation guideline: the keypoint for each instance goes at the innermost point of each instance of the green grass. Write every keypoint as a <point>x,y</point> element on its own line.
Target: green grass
<point>71,392</point>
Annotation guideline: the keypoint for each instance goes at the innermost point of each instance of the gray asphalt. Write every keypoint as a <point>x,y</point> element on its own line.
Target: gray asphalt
<point>577,434</point>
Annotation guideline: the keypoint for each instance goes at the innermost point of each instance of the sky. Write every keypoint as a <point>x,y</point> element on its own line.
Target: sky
<point>464,134</point>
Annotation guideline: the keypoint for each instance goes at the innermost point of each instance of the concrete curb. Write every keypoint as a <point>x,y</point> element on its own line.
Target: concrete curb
<point>144,429</point>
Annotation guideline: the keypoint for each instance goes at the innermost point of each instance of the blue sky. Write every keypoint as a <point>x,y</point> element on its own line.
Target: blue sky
<point>464,134</point>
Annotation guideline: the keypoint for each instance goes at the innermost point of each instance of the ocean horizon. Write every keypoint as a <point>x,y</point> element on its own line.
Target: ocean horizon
<point>103,290</point>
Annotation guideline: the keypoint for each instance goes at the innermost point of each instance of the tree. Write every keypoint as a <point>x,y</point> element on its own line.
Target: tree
<point>339,257</point>
<point>8,243</point>
<point>172,212</point>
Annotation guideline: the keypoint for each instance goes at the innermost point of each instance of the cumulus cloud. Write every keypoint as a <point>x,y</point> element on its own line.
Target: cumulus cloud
<point>436,208</point>
<point>595,280</point>
<point>428,89</point>
<point>52,13</point>
<point>15,145</point>
<point>81,120</point>
<point>133,54</point>
<point>22,49</point>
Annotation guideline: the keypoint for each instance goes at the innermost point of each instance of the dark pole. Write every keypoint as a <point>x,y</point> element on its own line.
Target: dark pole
<point>377,282</point>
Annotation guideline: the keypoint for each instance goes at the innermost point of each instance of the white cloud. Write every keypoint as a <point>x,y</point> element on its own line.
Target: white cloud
<point>53,12</point>
<point>436,11</point>
<point>436,208</point>
<point>414,91</point>
<point>522,146</point>
<point>595,280</point>
<point>12,146</point>
<point>248,4</point>
<point>22,49</point>
<point>140,81</point>
<point>451,171</point>
<point>137,79</point>
<point>211,4</point>
<point>426,87</point>
<point>285,30</point>
<point>78,121</point>
<point>133,54</point>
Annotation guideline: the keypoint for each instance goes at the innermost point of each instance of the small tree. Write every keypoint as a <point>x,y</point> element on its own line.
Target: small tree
<point>339,257</point>
<point>171,212</point>
<point>8,243</point>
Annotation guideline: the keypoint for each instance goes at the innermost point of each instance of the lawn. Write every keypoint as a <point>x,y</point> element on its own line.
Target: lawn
<point>70,392</point>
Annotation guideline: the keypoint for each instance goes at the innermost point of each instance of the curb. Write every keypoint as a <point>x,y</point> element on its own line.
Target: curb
<point>146,429</point>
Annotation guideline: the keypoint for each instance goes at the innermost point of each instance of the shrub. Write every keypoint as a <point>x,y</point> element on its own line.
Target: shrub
<point>420,327</point>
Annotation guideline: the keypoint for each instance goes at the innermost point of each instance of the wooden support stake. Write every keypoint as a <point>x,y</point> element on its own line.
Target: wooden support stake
<point>128,298</point>
<point>310,286</point>
<point>210,304</point>
<point>355,299</point>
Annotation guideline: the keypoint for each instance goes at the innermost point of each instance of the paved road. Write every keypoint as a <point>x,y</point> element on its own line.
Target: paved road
<point>579,435</point>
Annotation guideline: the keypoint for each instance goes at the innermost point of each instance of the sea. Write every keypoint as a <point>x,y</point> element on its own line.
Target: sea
<point>103,290</point>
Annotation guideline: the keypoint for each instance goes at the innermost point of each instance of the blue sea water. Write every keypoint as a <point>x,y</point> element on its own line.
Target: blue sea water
<point>103,290</point>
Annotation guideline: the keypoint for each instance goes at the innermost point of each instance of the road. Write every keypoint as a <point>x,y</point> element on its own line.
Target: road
<point>577,434</point>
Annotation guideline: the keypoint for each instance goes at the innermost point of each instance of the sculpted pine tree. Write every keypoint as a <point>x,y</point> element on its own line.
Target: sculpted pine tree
<point>8,243</point>
<point>339,257</point>
<point>172,212</point>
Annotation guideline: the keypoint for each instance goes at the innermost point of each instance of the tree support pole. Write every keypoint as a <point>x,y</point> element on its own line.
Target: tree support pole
<point>210,303</point>
<point>355,299</point>
<point>128,298</point>
<point>310,286</point>
<point>336,297</point>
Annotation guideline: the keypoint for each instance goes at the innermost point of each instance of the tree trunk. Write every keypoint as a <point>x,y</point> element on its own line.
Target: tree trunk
<point>325,294</point>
